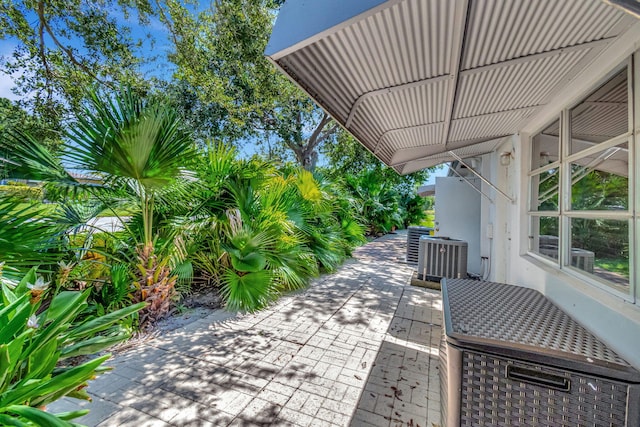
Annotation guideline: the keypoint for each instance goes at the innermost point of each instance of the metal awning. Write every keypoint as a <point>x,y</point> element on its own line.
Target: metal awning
<point>413,80</point>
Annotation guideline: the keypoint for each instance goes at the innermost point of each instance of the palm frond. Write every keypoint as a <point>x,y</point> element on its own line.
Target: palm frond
<point>127,137</point>
<point>247,292</point>
<point>28,236</point>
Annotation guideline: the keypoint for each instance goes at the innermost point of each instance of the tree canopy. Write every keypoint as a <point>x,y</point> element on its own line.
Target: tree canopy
<point>64,46</point>
<point>216,75</point>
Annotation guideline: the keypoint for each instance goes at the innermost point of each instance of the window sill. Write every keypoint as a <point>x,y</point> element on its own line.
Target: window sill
<point>583,283</point>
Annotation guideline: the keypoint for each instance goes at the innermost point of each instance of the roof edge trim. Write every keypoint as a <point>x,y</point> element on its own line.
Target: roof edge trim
<point>292,32</point>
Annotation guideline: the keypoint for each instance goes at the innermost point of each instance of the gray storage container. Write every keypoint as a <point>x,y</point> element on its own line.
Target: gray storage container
<point>510,357</point>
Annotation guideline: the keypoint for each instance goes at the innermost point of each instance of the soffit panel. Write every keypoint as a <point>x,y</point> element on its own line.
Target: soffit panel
<point>603,114</point>
<point>499,30</point>
<point>426,135</point>
<point>600,123</point>
<point>407,42</point>
<point>408,154</point>
<point>509,87</point>
<point>406,108</point>
<point>427,138</point>
<point>368,120</point>
<point>489,126</point>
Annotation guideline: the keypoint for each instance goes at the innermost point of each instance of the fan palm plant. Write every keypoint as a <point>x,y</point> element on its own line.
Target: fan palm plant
<point>140,146</point>
<point>379,201</point>
<point>131,143</point>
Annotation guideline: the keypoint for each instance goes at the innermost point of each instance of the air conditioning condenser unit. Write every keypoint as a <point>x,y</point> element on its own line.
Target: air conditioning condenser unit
<point>440,257</point>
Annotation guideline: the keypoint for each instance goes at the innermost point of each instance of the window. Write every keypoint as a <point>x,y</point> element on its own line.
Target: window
<point>580,206</point>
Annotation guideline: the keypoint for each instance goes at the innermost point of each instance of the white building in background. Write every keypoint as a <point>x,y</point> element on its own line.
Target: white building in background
<point>540,98</point>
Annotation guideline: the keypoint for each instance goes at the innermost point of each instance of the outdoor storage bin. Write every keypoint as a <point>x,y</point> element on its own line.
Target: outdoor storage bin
<point>414,233</point>
<point>510,357</point>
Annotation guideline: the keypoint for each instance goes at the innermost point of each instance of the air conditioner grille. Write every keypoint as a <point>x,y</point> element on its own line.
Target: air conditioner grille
<point>440,257</point>
<point>413,242</point>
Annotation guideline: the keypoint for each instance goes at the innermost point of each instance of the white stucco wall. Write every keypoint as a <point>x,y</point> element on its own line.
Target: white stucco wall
<point>458,215</point>
<point>610,317</point>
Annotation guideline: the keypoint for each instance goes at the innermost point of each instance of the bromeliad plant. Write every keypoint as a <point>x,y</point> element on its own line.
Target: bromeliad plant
<point>36,344</point>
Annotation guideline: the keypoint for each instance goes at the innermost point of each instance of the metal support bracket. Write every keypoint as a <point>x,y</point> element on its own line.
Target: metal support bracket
<point>483,179</point>
<point>469,182</point>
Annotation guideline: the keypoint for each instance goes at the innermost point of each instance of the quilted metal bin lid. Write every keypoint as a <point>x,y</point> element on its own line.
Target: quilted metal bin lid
<point>522,323</point>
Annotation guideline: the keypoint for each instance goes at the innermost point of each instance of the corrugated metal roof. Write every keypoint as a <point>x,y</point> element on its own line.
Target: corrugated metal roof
<point>489,126</point>
<point>390,77</point>
<point>603,114</point>
<point>500,30</point>
<point>407,108</point>
<point>509,87</point>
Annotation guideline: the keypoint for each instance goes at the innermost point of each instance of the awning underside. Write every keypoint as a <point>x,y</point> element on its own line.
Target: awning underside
<point>415,79</point>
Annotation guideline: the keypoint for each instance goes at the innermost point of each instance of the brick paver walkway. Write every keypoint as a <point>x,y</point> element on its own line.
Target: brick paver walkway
<point>358,347</point>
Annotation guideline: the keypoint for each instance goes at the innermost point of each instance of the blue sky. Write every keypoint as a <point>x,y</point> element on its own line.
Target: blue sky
<point>157,46</point>
<point>440,171</point>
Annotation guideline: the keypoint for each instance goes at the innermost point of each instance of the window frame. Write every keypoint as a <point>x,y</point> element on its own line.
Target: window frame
<point>564,213</point>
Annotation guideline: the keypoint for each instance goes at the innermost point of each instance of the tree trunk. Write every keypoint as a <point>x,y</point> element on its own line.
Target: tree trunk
<point>306,151</point>
<point>307,158</point>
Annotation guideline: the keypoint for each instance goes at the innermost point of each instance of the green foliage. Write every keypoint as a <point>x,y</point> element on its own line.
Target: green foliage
<point>384,198</point>
<point>429,219</point>
<point>29,235</point>
<point>13,117</point>
<point>260,232</point>
<point>413,209</point>
<point>600,190</point>
<point>347,157</point>
<point>115,293</point>
<point>597,190</point>
<point>29,158</point>
<point>379,200</point>
<point>36,344</point>
<point>138,148</point>
<point>62,47</point>
<point>228,89</point>
<point>22,193</point>
<point>614,265</point>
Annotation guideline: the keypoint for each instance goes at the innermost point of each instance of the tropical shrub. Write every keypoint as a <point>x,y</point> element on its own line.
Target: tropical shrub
<point>37,343</point>
<point>29,235</point>
<point>154,285</point>
<point>114,293</point>
<point>22,193</point>
<point>413,208</point>
<point>379,201</point>
<point>138,149</point>
<point>264,244</point>
<point>261,231</point>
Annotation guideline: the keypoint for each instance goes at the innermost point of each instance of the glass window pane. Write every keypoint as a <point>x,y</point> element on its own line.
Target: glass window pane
<point>544,191</point>
<point>545,146</point>
<point>602,115</point>
<point>600,181</point>
<point>601,247</point>
<point>545,236</point>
